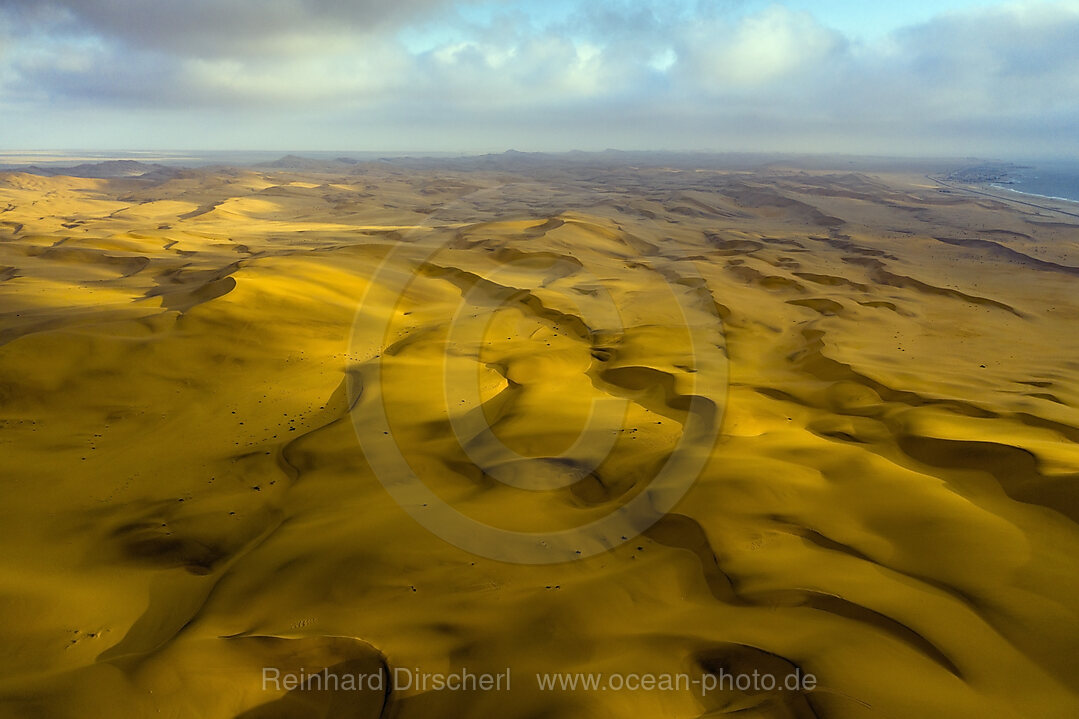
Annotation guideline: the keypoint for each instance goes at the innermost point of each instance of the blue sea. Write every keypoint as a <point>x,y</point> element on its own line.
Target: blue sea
<point>1059,179</point>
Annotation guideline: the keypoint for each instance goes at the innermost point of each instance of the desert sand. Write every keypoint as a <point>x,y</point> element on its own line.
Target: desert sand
<point>209,380</point>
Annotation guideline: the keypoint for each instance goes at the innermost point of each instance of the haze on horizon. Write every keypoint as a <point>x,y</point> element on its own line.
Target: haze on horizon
<point>953,77</point>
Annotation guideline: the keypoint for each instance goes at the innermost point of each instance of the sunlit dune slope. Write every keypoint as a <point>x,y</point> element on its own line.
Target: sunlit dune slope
<point>204,380</point>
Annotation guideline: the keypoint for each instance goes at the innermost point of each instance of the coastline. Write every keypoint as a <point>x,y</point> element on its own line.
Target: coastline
<point>1068,207</point>
<point>1069,200</point>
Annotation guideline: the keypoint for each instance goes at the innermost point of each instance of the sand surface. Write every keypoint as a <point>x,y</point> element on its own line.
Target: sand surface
<point>209,383</point>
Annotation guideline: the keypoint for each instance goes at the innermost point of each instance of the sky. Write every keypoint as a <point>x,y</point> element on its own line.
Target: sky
<point>950,78</point>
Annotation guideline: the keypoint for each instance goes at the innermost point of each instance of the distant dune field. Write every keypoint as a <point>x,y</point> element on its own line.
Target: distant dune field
<point>372,416</point>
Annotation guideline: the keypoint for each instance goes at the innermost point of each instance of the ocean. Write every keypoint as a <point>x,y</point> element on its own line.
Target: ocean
<point>1058,179</point>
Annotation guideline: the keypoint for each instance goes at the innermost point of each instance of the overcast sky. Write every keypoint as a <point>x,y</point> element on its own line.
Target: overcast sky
<point>909,77</point>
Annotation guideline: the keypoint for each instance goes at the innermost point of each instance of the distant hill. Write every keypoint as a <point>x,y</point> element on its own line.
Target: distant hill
<point>109,169</point>
<point>516,160</point>
<point>296,162</point>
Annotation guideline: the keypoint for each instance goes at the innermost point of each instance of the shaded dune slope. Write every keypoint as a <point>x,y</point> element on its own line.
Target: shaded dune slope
<point>891,504</point>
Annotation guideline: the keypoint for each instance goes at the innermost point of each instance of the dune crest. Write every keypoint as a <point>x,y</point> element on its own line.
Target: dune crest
<point>873,398</point>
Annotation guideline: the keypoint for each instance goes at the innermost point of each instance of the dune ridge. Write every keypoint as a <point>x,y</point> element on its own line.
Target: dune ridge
<point>891,503</point>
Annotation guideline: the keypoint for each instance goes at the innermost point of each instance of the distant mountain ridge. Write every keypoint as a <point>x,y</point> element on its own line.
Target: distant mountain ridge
<point>510,160</point>
<point>298,162</point>
<point>109,169</point>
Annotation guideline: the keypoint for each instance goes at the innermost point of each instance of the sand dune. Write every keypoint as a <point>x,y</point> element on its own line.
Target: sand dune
<point>204,376</point>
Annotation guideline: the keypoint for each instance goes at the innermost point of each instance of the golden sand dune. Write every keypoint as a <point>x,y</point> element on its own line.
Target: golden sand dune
<point>257,419</point>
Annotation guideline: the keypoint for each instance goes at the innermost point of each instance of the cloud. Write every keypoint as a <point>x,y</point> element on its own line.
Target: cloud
<point>1004,78</point>
<point>214,28</point>
<point>1014,60</point>
<point>771,45</point>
